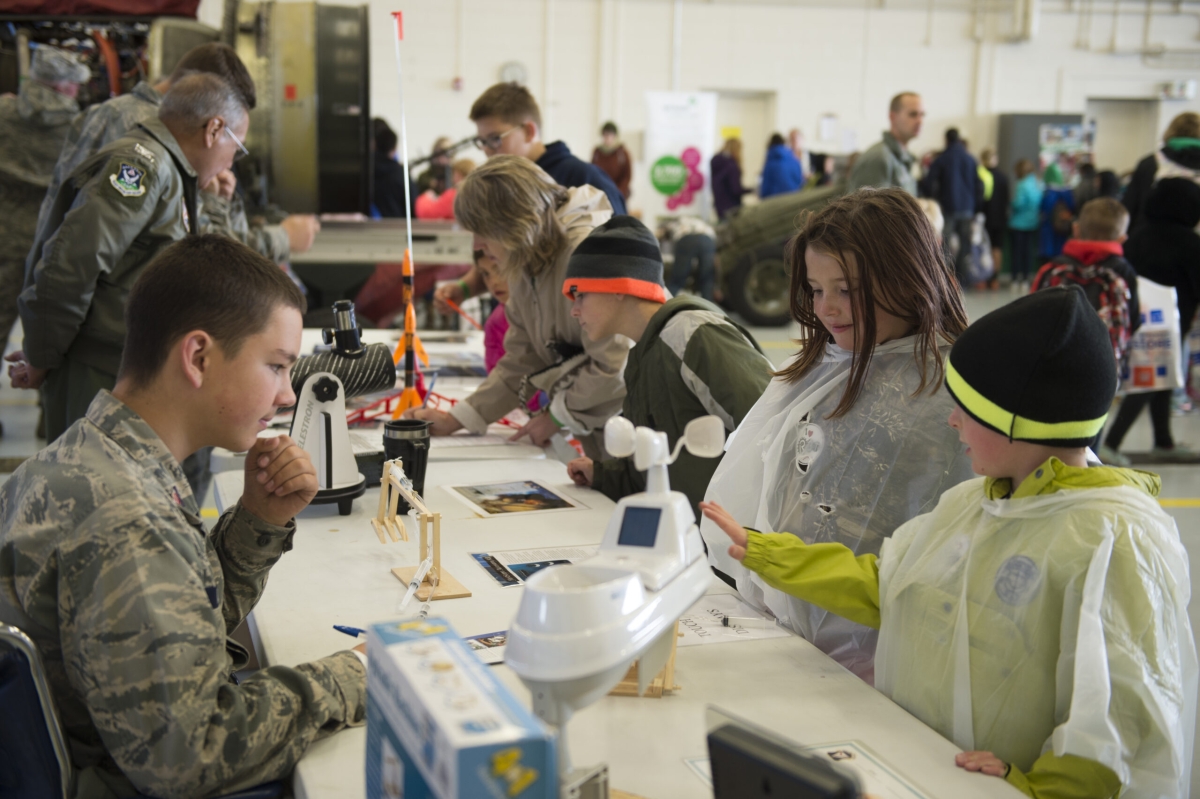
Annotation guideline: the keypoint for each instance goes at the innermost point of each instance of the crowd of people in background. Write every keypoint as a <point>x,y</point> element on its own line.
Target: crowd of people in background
<point>888,552</point>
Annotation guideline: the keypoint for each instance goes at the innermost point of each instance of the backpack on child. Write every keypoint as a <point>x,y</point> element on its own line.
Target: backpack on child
<point>1062,218</point>
<point>1105,289</point>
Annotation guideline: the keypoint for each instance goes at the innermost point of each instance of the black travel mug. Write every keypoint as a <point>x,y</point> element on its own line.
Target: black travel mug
<point>408,440</point>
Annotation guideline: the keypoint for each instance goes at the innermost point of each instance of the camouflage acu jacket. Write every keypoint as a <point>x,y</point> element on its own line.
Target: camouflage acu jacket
<point>33,126</point>
<point>110,218</point>
<point>105,564</point>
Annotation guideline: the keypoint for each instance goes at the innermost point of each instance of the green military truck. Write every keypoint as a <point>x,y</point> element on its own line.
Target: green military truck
<point>751,268</point>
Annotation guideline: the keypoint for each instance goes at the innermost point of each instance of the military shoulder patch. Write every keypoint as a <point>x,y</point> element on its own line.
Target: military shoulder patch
<point>128,181</point>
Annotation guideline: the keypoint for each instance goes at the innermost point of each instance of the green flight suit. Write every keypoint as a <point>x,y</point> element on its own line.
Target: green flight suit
<point>114,213</point>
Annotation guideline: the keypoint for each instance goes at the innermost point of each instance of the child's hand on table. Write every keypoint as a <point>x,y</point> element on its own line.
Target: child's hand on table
<point>735,531</point>
<point>580,470</point>
<point>985,762</point>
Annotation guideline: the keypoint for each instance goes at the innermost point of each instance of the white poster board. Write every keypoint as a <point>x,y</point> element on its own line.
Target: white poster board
<point>679,147</point>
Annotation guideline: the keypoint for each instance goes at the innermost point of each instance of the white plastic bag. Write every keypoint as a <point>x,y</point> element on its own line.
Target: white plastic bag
<point>1156,350</point>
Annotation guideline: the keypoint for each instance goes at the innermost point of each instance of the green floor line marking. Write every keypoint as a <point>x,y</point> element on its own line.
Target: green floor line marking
<point>209,513</point>
<point>1180,503</point>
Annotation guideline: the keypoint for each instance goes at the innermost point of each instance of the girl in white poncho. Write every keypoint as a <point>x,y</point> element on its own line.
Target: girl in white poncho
<point>849,441</point>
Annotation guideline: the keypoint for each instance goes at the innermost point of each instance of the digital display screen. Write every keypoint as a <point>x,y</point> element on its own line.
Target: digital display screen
<point>639,528</point>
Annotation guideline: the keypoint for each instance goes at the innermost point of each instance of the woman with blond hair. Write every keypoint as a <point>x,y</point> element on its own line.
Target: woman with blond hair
<point>727,178</point>
<point>530,225</point>
<point>1178,158</point>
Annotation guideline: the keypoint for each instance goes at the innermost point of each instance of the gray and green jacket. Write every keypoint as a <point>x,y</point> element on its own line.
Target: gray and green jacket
<point>114,213</point>
<point>691,361</point>
<point>884,164</point>
<point>105,564</point>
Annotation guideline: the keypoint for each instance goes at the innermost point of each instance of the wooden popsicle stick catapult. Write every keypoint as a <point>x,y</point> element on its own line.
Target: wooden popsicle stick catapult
<point>393,485</point>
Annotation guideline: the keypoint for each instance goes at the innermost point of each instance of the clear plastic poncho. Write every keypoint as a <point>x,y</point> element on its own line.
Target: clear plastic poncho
<point>1054,622</point>
<point>852,480</point>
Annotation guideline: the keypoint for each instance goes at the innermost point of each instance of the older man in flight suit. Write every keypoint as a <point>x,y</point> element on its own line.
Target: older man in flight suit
<point>114,213</point>
<point>220,209</point>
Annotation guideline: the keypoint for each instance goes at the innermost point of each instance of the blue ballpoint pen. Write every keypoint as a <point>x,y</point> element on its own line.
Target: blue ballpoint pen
<point>354,632</point>
<point>428,391</point>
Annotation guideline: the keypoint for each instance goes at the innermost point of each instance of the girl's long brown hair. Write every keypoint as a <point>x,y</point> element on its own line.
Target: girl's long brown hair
<point>901,269</point>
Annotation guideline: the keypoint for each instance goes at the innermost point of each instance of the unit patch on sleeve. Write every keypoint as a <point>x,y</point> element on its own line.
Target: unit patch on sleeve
<point>128,181</point>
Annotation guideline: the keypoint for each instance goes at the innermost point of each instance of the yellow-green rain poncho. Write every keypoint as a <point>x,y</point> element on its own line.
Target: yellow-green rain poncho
<point>1055,622</point>
<point>1050,623</point>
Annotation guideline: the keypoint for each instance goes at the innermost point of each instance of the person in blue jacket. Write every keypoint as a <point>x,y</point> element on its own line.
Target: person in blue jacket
<point>954,182</point>
<point>1023,221</point>
<point>781,172</point>
<point>1058,213</point>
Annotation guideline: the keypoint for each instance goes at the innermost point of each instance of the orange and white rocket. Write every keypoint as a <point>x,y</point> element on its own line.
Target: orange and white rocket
<point>410,397</point>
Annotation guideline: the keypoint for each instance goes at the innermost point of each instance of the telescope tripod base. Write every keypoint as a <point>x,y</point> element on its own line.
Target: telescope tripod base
<point>344,496</point>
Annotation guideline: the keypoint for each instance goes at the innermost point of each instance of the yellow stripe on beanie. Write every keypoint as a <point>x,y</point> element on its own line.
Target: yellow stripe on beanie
<point>1016,427</point>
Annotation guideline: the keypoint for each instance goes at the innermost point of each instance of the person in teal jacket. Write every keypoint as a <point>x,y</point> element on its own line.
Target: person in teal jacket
<point>1037,616</point>
<point>1023,221</point>
<point>690,359</point>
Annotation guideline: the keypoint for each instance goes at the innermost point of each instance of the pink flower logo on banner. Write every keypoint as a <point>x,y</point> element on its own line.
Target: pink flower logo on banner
<point>693,182</point>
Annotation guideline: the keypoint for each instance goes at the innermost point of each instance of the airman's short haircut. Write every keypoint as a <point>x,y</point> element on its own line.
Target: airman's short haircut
<point>898,101</point>
<point>1103,219</point>
<point>510,102</point>
<point>210,283</point>
<point>219,59</point>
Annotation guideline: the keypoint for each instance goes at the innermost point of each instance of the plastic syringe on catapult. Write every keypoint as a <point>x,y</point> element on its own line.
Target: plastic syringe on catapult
<point>395,487</point>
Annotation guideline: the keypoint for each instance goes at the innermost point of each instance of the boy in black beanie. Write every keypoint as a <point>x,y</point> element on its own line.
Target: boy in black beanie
<point>689,360</point>
<point>1037,617</point>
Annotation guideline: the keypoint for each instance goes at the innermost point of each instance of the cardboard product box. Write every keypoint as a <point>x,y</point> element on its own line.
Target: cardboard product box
<point>440,725</point>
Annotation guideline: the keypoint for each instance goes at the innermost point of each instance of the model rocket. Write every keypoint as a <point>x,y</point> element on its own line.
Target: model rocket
<point>410,397</point>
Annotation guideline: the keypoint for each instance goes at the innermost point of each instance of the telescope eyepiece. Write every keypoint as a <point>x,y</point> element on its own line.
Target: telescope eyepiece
<point>345,335</point>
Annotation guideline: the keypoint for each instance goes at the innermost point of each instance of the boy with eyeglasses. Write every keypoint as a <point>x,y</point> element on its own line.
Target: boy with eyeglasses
<point>508,122</point>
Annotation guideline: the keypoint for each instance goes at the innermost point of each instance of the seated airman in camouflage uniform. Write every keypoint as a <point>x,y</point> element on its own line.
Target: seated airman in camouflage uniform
<point>105,563</point>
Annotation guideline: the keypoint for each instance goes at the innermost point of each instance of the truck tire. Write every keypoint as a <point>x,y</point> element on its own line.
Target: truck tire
<point>758,288</point>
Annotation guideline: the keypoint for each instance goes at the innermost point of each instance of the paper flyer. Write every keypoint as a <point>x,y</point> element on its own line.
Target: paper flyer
<point>519,496</point>
<point>515,566</point>
<point>489,647</point>
<point>703,622</point>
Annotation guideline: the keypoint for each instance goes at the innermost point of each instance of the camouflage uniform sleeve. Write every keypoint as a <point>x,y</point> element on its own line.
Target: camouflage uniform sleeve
<point>247,547</point>
<point>228,218</point>
<point>145,650</point>
<point>110,211</point>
